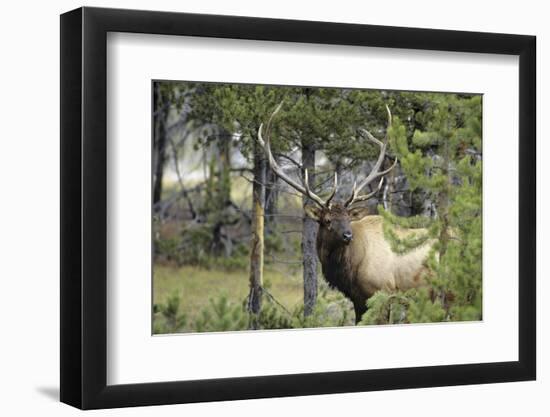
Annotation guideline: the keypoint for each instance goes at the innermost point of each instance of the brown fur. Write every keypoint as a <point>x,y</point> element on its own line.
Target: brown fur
<point>366,264</point>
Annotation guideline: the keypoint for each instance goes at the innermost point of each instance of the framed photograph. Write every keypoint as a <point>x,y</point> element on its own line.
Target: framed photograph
<point>257,208</point>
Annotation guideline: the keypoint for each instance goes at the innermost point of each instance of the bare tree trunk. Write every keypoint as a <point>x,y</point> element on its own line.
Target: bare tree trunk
<point>224,180</point>
<point>309,237</point>
<point>221,193</point>
<point>391,189</point>
<point>443,205</point>
<point>257,240</point>
<point>339,169</point>
<point>159,143</point>
<point>271,201</point>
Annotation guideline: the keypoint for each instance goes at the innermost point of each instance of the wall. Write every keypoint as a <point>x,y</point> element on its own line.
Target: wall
<point>29,213</point>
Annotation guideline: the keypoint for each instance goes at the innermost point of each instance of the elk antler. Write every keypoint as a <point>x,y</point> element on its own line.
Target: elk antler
<point>305,190</point>
<point>375,173</point>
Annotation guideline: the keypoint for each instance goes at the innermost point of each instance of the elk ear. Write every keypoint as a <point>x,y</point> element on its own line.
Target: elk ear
<point>313,212</point>
<point>357,213</point>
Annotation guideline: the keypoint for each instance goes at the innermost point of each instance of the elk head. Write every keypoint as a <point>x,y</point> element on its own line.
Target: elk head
<point>334,218</point>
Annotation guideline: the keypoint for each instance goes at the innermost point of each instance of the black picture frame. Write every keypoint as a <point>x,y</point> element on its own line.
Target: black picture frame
<point>84,207</point>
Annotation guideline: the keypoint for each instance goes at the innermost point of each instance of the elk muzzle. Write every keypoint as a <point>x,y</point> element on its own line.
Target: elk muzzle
<point>347,236</point>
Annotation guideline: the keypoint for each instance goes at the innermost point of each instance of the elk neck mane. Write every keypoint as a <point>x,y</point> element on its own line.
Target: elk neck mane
<point>336,263</point>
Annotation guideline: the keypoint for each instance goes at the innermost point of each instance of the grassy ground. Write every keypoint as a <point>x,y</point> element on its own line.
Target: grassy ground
<point>196,286</point>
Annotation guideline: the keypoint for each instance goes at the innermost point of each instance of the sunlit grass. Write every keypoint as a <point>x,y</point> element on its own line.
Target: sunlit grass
<point>196,286</point>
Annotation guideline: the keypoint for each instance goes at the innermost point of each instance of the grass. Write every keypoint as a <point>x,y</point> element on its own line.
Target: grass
<point>196,286</point>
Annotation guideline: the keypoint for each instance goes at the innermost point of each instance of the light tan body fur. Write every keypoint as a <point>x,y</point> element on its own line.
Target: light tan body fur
<point>377,266</point>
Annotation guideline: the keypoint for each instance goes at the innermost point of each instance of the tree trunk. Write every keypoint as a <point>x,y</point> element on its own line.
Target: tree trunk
<point>257,239</point>
<point>309,237</point>
<point>271,201</point>
<point>340,170</point>
<point>159,143</point>
<point>443,205</point>
<point>220,198</point>
<point>390,190</point>
<point>224,170</point>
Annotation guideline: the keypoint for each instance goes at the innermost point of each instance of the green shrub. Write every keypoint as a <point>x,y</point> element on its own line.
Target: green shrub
<point>331,310</point>
<point>166,316</point>
<point>273,243</point>
<point>413,306</point>
<point>221,315</point>
<point>167,249</point>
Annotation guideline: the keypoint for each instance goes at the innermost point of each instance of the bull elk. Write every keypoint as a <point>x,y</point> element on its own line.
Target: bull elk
<point>355,257</point>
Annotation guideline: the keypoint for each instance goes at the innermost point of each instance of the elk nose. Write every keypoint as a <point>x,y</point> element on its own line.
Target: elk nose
<point>347,236</point>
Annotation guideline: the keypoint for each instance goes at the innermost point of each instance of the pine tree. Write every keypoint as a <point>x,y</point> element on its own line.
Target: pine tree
<point>442,161</point>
